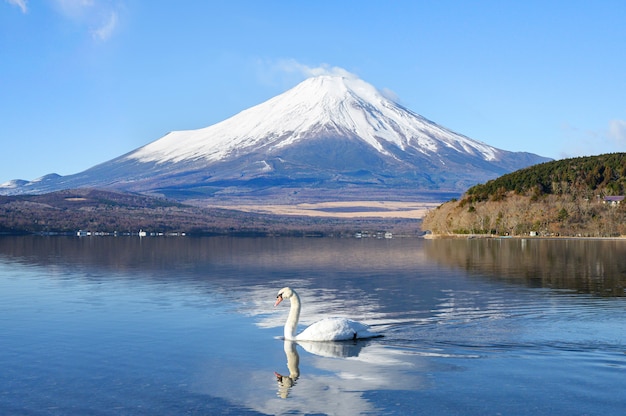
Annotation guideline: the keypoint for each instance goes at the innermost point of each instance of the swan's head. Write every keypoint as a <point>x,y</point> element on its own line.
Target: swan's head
<point>284,293</point>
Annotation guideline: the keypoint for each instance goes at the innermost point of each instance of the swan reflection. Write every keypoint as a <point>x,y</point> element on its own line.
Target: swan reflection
<point>343,349</point>
<point>323,349</point>
<point>285,383</point>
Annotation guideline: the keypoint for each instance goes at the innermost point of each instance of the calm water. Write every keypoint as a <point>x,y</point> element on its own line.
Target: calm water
<point>108,326</point>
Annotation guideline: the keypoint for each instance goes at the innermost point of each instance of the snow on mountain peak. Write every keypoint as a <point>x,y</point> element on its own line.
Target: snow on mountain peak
<point>344,105</point>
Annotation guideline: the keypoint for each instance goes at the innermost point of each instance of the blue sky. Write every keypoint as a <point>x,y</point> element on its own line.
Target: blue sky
<point>84,81</point>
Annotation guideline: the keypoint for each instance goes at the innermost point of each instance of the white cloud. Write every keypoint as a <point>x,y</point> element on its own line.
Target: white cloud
<point>22,4</point>
<point>101,18</point>
<point>271,70</point>
<point>108,27</point>
<point>578,142</point>
<point>390,95</point>
<point>287,72</point>
<point>291,65</point>
<point>74,9</point>
<point>617,132</point>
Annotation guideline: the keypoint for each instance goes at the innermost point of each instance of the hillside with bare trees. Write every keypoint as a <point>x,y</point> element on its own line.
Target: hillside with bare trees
<point>580,197</point>
<point>106,212</point>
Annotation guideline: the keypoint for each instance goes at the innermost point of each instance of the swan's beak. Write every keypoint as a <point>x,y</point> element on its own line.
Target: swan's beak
<point>279,299</point>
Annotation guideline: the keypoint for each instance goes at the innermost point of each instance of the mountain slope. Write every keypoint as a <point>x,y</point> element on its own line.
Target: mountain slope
<point>329,134</point>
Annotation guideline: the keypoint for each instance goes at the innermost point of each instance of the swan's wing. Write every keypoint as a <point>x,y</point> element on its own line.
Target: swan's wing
<point>335,329</point>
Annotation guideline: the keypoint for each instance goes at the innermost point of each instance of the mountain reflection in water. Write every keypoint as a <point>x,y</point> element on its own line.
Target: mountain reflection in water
<point>585,265</point>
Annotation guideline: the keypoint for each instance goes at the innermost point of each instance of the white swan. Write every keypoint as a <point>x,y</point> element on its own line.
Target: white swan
<point>328,329</point>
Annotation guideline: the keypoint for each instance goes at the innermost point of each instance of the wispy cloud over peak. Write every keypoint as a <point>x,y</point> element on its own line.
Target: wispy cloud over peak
<point>300,70</point>
<point>291,65</point>
<point>287,72</point>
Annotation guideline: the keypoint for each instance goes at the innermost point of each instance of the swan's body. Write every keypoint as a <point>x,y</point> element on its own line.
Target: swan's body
<point>328,329</point>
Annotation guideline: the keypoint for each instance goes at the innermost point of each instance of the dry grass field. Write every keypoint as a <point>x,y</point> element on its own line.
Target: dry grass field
<point>343,209</point>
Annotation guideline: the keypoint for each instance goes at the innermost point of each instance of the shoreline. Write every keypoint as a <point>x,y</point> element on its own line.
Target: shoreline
<point>430,236</point>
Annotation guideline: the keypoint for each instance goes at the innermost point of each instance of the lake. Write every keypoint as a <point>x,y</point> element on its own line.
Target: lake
<point>182,325</point>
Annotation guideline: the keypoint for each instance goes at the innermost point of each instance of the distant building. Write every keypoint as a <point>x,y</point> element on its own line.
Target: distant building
<point>613,200</point>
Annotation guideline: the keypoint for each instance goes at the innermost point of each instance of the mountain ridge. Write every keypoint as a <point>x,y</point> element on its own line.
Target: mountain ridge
<point>332,133</point>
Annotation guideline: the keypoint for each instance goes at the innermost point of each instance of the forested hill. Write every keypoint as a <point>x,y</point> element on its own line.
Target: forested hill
<point>560,198</point>
<point>606,173</point>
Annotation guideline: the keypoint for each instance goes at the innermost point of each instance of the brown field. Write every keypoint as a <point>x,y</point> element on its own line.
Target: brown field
<point>344,209</point>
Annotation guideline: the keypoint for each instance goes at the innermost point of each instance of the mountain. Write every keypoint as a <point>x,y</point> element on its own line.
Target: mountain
<point>331,136</point>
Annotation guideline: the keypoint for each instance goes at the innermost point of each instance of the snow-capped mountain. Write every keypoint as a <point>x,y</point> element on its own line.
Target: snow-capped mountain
<point>333,133</point>
<point>317,106</point>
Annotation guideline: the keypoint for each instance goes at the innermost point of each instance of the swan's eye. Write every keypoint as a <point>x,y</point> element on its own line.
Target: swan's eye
<point>280,295</point>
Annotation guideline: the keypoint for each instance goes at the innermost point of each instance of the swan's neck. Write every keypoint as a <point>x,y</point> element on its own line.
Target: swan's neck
<point>291,325</point>
<point>293,359</point>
